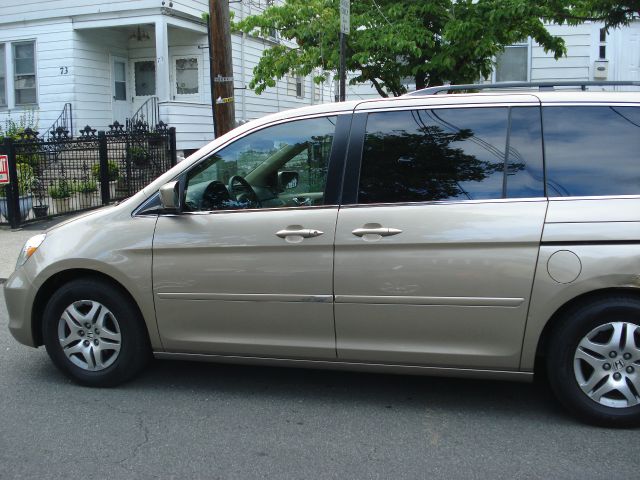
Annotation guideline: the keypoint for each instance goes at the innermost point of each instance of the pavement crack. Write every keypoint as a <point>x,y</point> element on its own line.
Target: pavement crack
<point>142,427</point>
<point>145,440</point>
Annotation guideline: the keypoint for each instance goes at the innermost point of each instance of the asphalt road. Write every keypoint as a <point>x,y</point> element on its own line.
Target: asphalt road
<point>204,421</point>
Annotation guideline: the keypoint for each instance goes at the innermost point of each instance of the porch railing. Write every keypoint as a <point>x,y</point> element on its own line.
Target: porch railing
<point>63,126</point>
<point>146,117</point>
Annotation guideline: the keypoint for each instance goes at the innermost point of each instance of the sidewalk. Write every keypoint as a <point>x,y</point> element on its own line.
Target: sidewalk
<point>11,242</point>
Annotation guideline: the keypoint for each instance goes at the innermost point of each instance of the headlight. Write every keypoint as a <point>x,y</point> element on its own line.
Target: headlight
<point>30,248</point>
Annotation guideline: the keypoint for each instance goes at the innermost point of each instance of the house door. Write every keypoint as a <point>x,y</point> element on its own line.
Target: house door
<point>143,80</point>
<point>630,55</point>
<point>120,103</point>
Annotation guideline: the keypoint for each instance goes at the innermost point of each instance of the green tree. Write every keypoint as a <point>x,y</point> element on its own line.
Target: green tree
<point>430,42</point>
<point>611,13</point>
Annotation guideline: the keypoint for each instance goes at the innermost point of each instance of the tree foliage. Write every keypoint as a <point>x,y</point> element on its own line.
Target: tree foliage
<point>430,42</point>
<point>611,13</point>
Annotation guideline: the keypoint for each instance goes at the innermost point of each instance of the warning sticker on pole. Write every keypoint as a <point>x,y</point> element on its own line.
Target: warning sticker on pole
<point>221,79</point>
<point>4,169</point>
<point>220,100</point>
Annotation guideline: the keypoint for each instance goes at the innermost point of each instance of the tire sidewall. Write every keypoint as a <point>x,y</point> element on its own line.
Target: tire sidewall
<point>560,361</point>
<point>132,347</point>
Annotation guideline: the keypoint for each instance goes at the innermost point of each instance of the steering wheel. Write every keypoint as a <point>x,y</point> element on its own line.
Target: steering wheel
<point>237,181</point>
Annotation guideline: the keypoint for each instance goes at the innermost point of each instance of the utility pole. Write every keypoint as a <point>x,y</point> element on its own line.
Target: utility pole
<point>345,26</point>
<point>222,67</point>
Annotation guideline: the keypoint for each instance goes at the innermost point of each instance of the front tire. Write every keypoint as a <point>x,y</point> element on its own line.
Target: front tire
<point>593,361</point>
<point>94,334</point>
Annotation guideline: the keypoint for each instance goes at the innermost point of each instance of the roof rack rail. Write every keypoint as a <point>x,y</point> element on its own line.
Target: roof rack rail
<point>550,85</point>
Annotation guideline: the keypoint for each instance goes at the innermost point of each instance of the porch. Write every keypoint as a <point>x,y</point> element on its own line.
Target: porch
<point>126,67</point>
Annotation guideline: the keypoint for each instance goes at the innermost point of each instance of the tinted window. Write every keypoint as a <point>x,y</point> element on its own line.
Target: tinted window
<point>525,172</point>
<point>280,166</point>
<point>428,155</point>
<point>592,150</point>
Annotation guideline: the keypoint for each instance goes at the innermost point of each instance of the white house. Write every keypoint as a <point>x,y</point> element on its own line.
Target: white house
<point>108,58</point>
<point>592,54</point>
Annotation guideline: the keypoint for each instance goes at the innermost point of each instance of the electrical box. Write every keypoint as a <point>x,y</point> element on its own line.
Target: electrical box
<point>601,70</point>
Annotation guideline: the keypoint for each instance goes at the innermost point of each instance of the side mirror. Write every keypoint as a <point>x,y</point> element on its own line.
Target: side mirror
<point>170,196</point>
<point>287,180</point>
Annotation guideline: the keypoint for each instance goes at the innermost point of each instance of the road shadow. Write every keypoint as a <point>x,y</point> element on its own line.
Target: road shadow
<point>497,398</point>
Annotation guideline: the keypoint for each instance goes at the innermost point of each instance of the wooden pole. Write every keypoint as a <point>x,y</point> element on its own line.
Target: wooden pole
<point>225,112</point>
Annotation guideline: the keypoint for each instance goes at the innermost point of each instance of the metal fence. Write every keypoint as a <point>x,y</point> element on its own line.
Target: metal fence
<point>60,175</point>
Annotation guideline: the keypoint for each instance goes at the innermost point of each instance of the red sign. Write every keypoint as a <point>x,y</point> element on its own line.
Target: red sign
<point>4,169</point>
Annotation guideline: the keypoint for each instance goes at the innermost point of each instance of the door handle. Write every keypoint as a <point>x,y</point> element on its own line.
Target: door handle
<point>382,231</point>
<point>302,232</point>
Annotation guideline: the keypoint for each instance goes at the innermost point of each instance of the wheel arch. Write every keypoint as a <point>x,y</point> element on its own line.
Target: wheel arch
<point>61,278</point>
<point>561,313</point>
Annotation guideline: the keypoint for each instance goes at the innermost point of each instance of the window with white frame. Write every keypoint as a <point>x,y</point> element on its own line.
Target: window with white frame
<point>3,76</point>
<point>512,65</point>
<point>187,77</point>
<point>24,73</point>
<point>300,87</point>
<point>295,86</point>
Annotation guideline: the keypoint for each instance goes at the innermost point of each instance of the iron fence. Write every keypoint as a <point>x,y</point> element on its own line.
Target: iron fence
<point>58,174</point>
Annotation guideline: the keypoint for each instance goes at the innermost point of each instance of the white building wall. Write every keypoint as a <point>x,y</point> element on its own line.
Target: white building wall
<point>92,53</point>
<point>578,62</point>
<point>53,42</point>
<point>34,10</point>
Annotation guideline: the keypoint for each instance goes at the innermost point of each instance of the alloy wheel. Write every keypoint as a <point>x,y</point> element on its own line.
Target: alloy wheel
<point>606,364</point>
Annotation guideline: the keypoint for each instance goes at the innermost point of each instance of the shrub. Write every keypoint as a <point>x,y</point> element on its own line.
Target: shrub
<point>14,129</point>
<point>61,188</point>
<point>86,186</point>
<point>26,180</point>
<point>112,167</point>
<point>139,156</point>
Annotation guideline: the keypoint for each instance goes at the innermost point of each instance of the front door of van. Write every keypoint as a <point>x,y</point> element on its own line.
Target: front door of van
<point>435,255</point>
<point>248,268</point>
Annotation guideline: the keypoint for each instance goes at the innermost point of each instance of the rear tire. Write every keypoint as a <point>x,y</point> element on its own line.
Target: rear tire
<point>593,361</point>
<point>94,334</point>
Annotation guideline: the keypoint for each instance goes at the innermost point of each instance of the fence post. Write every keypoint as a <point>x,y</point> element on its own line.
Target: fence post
<point>13,189</point>
<point>104,167</point>
<point>172,146</point>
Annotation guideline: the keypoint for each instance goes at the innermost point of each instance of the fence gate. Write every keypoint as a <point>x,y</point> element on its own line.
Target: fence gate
<point>59,175</point>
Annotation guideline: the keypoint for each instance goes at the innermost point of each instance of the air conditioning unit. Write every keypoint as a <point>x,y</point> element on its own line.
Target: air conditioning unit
<point>601,70</point>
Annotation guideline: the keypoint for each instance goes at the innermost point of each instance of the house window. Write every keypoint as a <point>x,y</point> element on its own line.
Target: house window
<point>3,77</point>
<point>187,76</point>
<point>120,80</point>
<point>602,48</point>
<point>24,65</point>
<point>300,87</point>
<point>512,65</point>
<point>145,78</point>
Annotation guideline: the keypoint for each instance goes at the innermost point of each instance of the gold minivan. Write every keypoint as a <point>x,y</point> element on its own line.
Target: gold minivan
<point>486,235</point>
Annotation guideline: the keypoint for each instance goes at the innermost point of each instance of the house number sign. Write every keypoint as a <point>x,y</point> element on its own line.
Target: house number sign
<point>64,70</point>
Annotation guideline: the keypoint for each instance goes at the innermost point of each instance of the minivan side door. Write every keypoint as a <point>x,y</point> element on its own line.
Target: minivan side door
<point>437,242</point>
<point>248,268</point>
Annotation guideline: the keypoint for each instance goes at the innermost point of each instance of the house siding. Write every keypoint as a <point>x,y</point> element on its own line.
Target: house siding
<point>53,42</point>
<point>92,54</point>
<point>34,10</point>
<point>578,61</point>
